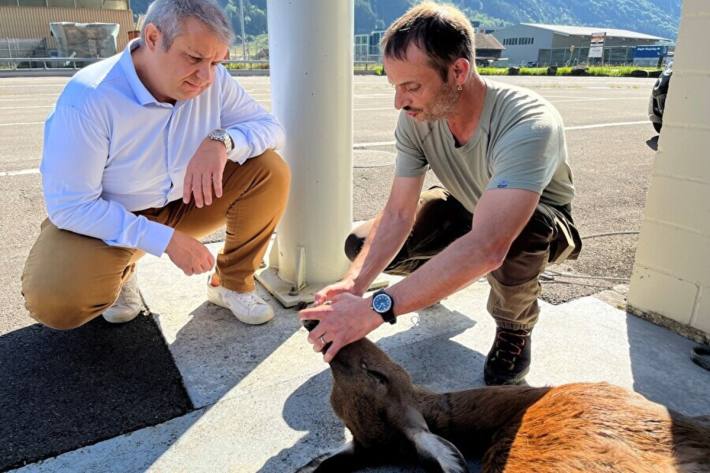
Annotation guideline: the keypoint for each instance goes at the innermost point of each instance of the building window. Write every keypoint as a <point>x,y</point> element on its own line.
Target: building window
<point>61,3</point>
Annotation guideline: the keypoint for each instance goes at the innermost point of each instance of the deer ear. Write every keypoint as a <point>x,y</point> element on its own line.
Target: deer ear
<point>435,453</point>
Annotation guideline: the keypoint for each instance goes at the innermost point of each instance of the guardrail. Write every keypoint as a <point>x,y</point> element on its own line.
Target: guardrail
<point>76,63</point>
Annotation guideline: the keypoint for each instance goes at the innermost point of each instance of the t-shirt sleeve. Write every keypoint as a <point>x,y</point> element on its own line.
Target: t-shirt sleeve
<point>410,160</point>
<point>527,155</point>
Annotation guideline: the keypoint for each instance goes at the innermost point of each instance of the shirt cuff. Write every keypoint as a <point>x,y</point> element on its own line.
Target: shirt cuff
<point>156,238</point>
<point>240,152</point>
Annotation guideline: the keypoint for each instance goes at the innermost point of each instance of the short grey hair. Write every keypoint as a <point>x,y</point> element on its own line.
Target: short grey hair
<point>168,15</point>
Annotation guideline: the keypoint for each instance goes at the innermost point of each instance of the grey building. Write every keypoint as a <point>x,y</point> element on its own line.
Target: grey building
<point>558,45</point>
<point>367,47</point>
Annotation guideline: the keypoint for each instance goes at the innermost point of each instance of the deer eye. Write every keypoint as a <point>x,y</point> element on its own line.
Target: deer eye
<point>381,378</point>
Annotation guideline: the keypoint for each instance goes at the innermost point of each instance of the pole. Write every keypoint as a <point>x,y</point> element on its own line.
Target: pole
<point>311,64</point>
<point>241,20</point>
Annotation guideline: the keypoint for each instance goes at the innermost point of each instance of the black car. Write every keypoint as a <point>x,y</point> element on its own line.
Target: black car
<point>657,104</point>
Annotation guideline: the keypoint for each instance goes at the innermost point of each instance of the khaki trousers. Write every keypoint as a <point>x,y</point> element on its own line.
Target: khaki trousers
<point>515,288</point>
<point>70,279</point>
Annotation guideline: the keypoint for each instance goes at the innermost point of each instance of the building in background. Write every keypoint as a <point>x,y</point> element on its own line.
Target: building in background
<point>367,48</point>
<point>24,24</point>
<point>557,45</point>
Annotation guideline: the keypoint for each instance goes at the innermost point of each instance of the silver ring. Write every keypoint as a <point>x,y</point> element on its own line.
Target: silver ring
<point>322,340</point>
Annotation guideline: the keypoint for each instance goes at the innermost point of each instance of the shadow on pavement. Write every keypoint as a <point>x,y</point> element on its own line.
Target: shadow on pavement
<point>653,143</point>
<point>63,390</point>
<point>437,363</point>
<point>663,370</point>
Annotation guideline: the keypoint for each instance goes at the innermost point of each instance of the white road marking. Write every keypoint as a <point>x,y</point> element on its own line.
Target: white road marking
<point>605,125</point>
<point>23,123</point>
<point>371,144</point>
<point>26,107</point>
<point>19,173</point>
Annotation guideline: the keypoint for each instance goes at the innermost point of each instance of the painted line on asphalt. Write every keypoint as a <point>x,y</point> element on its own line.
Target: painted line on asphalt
<point>602,99</point>
<point>30,85</point>
<point>370,144</point>
<point>24,96</point>
<point>23,123</point>
<point>606,125</point>
<point>26,107</point>
<point>22,172</point>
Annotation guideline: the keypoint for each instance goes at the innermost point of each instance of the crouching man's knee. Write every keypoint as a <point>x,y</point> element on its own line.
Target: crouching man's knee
<point>57,309</point>
<point>354,241</point>
<point>353,245</point>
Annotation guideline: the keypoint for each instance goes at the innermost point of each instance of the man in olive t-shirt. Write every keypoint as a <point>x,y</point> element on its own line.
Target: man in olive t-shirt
<point>504,209</point>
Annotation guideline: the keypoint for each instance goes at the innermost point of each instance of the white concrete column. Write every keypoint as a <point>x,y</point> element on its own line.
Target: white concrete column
<point>671,275</point>
<point>311,64</point>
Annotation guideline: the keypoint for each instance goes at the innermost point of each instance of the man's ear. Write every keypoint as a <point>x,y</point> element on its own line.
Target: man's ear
<point>152,37</point>
<point>460,69</point>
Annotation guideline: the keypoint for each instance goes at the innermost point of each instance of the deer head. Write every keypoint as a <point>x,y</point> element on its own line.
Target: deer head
<point>376,400</point>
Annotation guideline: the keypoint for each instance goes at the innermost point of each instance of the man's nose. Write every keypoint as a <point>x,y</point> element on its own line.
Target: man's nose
<point>204,73</point>
<point>398,100</point>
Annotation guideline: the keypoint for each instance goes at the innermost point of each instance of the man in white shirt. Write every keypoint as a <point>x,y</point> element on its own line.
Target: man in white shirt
<point>145,152</point>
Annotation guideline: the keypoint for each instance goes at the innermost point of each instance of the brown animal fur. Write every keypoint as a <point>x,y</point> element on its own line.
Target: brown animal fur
<point>584,427</point>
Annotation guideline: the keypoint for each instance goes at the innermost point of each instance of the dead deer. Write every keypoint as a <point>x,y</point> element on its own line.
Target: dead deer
<point>585,427</point>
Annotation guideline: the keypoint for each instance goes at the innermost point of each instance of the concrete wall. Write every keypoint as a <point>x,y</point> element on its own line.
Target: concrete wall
<point>671,275</point>
<point>33,22</point>
<point>522,54</point>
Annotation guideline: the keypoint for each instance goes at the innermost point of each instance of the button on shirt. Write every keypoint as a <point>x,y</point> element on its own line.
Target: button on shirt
<point>110,149</point>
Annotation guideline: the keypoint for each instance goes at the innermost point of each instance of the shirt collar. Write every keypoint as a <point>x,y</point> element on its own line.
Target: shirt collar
<point>142,94</point>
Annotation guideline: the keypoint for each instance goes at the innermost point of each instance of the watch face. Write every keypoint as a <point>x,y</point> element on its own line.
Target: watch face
<point>381,303</point>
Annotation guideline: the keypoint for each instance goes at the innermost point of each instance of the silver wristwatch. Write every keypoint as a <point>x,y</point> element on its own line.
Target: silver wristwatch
<point>220,134</point>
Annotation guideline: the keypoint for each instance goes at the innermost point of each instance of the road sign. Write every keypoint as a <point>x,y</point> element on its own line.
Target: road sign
<point>596,47</point>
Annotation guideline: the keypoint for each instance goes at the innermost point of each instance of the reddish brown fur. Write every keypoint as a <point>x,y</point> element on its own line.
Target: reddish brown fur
<point>586,427</point>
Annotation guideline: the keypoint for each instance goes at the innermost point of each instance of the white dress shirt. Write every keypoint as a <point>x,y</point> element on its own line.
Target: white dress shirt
<point>110,148</point>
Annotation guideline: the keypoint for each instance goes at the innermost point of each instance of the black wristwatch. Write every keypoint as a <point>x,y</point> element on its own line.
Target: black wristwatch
<point>383,304</point>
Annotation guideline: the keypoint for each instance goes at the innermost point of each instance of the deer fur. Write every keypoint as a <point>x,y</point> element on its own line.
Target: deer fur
<point>583,427</point>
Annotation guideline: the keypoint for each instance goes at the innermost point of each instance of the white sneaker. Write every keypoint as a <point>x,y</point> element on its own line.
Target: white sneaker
<point>247,307</point>
<point>128,305</point>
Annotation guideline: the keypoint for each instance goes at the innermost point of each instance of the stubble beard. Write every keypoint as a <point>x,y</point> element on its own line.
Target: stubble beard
<point>444,102</point>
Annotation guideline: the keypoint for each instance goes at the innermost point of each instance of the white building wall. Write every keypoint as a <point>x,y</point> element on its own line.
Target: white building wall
<point>671,274</point>
<point>522,54</point>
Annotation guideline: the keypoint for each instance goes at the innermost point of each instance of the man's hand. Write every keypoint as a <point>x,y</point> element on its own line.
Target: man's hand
<point>346,319</point>
<point>189,254</point>
<point>329,292</point>
<point>204,173</point>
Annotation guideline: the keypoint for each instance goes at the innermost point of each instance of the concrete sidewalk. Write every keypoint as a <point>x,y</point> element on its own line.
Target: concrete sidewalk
<point>261,394</point>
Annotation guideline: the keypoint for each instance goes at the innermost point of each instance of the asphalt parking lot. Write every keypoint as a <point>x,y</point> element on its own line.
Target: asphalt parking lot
<point>610,144</point>
<point>609,140</point>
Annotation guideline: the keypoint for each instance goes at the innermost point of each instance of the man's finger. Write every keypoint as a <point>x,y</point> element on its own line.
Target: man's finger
<point>333,349</point>
<point>312,313</point>
<point>197,192</point>
<point>207,188</point>
<point>210,259</point>
<point>187,188</point>
<point>315,334</point>
<point>217,183</point>
<point>318,298</point>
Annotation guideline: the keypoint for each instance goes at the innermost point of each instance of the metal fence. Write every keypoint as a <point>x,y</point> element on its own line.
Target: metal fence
<point>75,63</point>
<point>613,56</point>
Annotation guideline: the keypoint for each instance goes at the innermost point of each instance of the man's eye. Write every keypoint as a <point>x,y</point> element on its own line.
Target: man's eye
<point>194,59</point>
<point>413,89</point>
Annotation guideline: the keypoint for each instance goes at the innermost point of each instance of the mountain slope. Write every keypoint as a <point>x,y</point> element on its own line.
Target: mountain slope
<point>656,17</point>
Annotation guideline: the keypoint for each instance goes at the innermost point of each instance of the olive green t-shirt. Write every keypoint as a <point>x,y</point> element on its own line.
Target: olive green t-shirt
<point>519,144</point>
